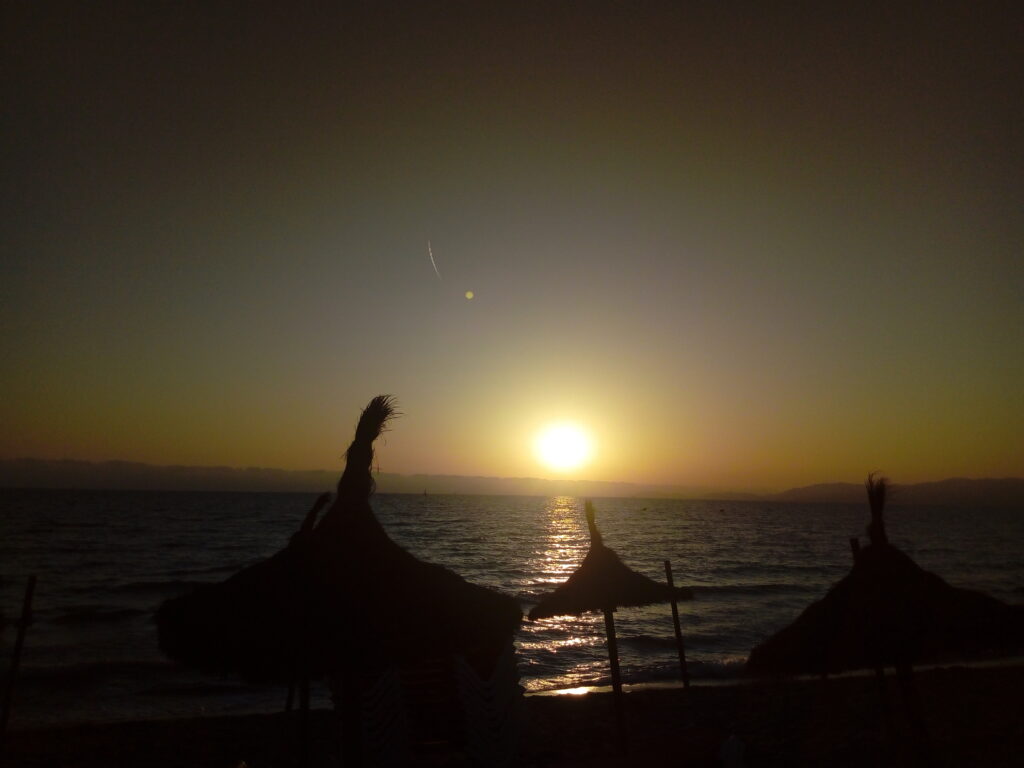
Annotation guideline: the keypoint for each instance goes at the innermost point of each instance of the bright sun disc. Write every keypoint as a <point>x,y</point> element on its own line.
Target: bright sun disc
<point>563,447</point>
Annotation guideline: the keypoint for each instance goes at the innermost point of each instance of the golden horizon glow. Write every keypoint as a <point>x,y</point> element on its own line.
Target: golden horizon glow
<point>241,314</point>
<point>563,446</point>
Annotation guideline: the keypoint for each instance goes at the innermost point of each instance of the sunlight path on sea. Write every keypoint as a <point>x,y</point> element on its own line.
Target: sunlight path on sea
<point>566,543</point>
<point>558,554</point>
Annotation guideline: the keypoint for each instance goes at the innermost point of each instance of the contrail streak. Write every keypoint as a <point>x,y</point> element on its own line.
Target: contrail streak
<point>432,262</point>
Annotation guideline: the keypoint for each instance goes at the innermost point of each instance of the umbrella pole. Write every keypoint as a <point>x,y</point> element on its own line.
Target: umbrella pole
<point>23,624</point>
<point>613,661</point>
<point>675,623</point>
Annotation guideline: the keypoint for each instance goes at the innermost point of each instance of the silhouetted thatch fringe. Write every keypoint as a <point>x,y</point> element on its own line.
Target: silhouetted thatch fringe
<point>878,490</point>
<point>889,611</point>
<point>603,581</point>
<point>344,593</point>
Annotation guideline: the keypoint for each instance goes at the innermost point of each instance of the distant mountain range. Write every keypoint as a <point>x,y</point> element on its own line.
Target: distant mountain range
<point>957,491</point>
<point>126,475</point>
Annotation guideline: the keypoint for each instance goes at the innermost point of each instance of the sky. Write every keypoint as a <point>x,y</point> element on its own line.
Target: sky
<point>744,247</point>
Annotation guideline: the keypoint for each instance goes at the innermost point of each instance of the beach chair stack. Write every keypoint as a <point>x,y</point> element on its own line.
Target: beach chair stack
<point>441,711</point>
<point>491,710</point>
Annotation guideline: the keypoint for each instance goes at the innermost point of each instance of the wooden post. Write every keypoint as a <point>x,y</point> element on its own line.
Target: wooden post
<point>19,643</point>
<point>613,650</point>
<point>675,623</point>
<point>613,660</point>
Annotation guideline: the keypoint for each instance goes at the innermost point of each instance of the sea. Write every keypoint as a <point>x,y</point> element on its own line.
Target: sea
<point>106,560</point>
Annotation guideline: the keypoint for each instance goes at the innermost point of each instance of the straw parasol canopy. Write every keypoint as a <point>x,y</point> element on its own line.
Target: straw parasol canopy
<point>341,592</point>
<point>602,582</point>
<point>888,611</point>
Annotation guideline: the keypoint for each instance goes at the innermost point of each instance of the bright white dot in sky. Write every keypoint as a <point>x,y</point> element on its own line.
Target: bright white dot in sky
<point>469,294</point>
<point>563,446</point>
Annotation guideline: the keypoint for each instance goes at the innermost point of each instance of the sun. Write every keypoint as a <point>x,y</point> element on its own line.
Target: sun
<point>563,447</point>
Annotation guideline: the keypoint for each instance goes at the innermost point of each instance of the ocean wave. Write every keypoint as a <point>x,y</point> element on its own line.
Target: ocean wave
<point>95,615</point>
<point>726,669</point>
<point>232,546</point>
<point>597,675</point>
<point>214,569</point>
<point>759,568</point>
<point>648,642</point>
<point>752,589</point>
<point>169,587</point>
<point>85,566</point>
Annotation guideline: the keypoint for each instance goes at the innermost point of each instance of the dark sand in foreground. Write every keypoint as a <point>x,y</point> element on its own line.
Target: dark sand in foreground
<point>974,718</point>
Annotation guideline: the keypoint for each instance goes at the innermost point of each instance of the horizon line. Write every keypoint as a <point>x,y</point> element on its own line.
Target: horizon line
<point>661,488</point>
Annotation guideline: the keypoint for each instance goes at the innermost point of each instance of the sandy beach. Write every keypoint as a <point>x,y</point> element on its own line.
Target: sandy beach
<point>972,716</point>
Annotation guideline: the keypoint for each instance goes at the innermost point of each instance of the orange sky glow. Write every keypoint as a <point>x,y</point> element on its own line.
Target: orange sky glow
<point>747,249</point>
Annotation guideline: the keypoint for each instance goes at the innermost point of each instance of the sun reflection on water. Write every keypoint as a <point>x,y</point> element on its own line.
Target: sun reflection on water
<point>564,545</point>
<point>579,691</point>
<point>572,645</point>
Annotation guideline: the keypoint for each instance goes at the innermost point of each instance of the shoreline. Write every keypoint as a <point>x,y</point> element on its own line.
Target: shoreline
<point>728,681</point>
<point>971,715</point>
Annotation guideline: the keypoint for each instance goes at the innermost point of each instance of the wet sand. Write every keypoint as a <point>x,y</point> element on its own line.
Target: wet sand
<point>972,716</point>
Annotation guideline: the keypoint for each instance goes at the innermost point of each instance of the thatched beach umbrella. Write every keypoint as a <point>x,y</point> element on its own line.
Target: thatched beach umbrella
<point>246,625</point>
<point>342,597</point>
<point>604,583</point>
<point>395,607</point>
<point>888,611</point>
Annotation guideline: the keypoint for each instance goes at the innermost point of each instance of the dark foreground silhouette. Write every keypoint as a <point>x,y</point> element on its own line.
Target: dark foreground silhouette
<point>974,713</point>
<point>342,590</point>
<point>399,640</point>
<point>888,611</point>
